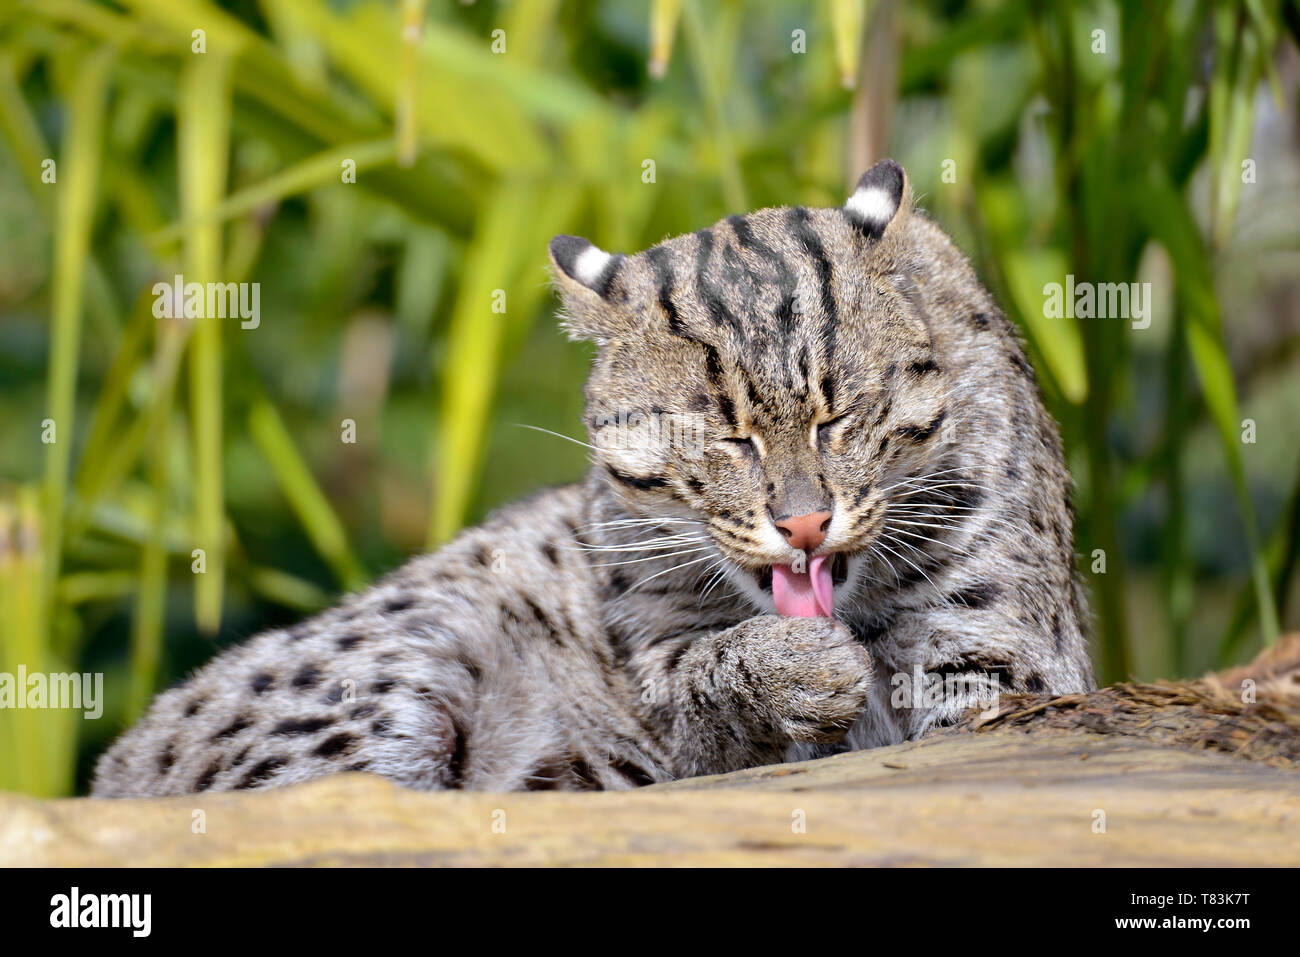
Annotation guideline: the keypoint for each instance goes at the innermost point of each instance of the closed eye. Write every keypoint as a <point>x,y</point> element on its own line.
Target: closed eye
<point>825,430</point>
<point>745,444</point>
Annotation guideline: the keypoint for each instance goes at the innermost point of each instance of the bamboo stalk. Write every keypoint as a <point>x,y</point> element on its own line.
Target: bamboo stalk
<point>306,499</point>
<point>151,593</point>
<point>74,217</point>
<point>204,140</point>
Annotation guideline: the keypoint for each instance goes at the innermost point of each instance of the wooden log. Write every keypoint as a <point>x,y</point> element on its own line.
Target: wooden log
<point>993,799</point>
<point>1136,774</point>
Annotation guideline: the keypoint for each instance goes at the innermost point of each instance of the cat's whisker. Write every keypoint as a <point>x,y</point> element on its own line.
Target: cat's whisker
<point>650,544</point>
<point>558,435</point>
<point>908,545</point>
<point>650,558</point>
<point>937,541</point>
<point>666,571</point>
<point>919,480</point>
<point>718,577</point>
<point>946,475</point>
<point>712,570</point>
<point>927,477</point>
<point>918,490</point>
<point>909,561</point>
<point>910,522</point>
<point>859,571</point>
<point>987,519</point>
<point>941,505</point>
<point>625,522</point>
<point>936,487</point>
<point>875,556</point>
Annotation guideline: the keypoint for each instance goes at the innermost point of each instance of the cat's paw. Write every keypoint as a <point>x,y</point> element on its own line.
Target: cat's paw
<point>807,678</point>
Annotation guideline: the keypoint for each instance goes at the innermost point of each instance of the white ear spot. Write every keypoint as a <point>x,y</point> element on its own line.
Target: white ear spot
<point>873,205</point>
<point>590,265</point>
<point>584,263</point>
<point>877,199</point>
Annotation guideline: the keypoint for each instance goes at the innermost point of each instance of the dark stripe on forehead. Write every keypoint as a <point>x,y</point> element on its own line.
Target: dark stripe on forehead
<point>755,400</point>
<point>660,262</point>
<point>713,365</point>
<point>803,370</point>
<point>801,225</point>
<point>785,318</point>
<point>708,294</point>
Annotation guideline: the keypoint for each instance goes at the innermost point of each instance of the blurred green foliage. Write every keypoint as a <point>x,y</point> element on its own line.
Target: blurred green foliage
<point>389,172</point>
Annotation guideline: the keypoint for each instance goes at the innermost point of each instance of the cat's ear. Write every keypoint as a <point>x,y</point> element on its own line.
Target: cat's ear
<point>882,196</point>
<point>585,275</point>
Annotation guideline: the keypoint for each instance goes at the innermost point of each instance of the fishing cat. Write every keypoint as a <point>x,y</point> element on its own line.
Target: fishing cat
<point>826,510</point>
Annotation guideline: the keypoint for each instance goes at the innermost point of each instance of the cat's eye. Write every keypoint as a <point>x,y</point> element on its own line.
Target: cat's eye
<point>744,443</point>
<point>822,432</point>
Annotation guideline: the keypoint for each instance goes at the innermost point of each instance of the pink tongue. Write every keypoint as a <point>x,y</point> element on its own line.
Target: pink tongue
<point>806,595</point>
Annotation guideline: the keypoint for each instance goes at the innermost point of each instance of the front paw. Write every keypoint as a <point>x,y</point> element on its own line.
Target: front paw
<point>808,678</point>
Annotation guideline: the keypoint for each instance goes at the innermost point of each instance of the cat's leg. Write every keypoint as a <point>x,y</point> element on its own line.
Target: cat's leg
<point>933,665</point>
<point>740,697</point>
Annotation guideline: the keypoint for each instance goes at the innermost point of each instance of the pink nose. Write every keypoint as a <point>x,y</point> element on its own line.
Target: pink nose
<point>805,532</point>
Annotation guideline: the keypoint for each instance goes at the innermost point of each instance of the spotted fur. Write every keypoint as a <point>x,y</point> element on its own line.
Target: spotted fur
<point>622,631</point>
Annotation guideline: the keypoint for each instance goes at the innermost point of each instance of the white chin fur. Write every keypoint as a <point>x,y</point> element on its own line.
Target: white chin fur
<point>745,584</point>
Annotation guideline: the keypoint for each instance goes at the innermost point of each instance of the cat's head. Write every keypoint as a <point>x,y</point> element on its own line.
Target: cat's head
<point>774,377</point>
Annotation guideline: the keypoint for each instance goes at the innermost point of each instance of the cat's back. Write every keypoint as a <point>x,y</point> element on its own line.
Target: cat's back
<point>294,703</point>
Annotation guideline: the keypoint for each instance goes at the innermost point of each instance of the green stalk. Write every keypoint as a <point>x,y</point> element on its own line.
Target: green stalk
<point>286,589</point>
<point>322,169</point>
<point>151,594</point>
<point>406,119</point>
<point>203,111</point>
<point>1062,82</point>
<point>107,456</point>
<point>37,757</point>
<point>1238,67</point>
<point>505,254</point>
<point>664,15</point>
<point>847,19</point>
<point>78,169</point>
<point>472,362</point>
<point>306,499</point>
<point>1283,557</point>
<point>697,37</point>
<point>22,134</point>
<point>1176,565</point>
<point>20,130</point>
<point>14,769</point>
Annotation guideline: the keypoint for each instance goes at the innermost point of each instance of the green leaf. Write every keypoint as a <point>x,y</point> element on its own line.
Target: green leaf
<point>305,497</point>
<point>325,168</point>
<point>203,111</point>
<point>77,198</point>
<point>1169,220</point>
<point>512,233</point>
<point>1029,274</point>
